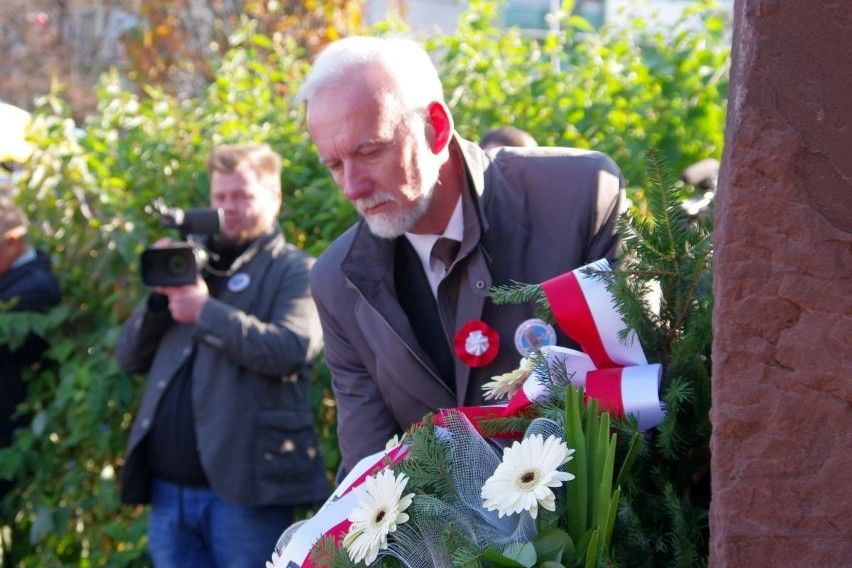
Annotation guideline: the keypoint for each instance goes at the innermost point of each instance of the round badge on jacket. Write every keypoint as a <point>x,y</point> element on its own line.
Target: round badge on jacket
<point>532,335</point>
<point>239,282</point>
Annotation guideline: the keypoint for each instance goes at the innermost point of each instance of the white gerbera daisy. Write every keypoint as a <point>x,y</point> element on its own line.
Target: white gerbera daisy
<point>507,384</point>
<point>524,479</point>
<point>380,510</point>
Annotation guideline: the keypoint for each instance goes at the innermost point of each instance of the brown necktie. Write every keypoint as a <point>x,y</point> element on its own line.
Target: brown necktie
<point>445,250</point>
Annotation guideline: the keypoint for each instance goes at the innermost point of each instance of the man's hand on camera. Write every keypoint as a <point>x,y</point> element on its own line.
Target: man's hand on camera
<point>185,302</point>
<point>163,242</point>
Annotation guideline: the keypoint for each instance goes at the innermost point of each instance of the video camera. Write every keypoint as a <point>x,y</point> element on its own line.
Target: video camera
<point>180,263</point>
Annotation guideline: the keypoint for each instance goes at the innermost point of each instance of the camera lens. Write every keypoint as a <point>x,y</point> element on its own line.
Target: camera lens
<point>170,266</point>
<point>176,264</point>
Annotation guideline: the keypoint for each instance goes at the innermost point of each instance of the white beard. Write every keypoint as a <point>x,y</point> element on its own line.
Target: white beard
<point>393,224</point>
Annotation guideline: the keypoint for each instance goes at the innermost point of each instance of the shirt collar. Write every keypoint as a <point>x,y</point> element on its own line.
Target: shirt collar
<point>423,243</point>
<point>28,256</point>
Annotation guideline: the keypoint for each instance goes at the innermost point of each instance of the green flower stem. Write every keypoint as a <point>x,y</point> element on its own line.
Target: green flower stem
<point>576,490</point>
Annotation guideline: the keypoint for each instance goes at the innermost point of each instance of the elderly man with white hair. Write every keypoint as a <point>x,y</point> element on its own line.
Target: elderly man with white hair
<point>409,327</point>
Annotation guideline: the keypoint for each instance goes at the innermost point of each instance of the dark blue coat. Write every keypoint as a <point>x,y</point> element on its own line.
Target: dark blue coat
<point>34,289</point>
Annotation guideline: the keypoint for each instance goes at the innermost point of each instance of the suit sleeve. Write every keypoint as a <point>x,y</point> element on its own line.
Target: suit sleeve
<point>364,422</point>
<point>140,335</point>
<point>281,343</point>
<point>610,203</point>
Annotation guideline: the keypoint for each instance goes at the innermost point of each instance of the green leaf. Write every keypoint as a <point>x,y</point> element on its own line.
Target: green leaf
<point>514,555</point>
<point>629,459</point>
<point>555,544</point>
<point>592,550</point>
<point>577,493</point>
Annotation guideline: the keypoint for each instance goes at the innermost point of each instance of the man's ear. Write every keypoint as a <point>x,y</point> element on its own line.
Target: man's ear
<point>14,235</point>
<point>442,126</point>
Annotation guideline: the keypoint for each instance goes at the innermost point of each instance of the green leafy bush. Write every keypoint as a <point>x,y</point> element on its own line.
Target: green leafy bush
<point>86,194</point>
<point>618,90</point>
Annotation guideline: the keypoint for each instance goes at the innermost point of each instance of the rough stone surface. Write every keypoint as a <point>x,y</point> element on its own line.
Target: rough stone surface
<point>782,351</point>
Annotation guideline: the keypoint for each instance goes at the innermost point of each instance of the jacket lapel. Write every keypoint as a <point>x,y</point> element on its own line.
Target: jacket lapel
<point>369,269</point>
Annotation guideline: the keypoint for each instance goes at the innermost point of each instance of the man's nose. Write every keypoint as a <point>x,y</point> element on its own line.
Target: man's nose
<point>356,183</point>
<point>228,204</point>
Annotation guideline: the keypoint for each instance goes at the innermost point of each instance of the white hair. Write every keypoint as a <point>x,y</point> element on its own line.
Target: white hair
<point>406,61</point>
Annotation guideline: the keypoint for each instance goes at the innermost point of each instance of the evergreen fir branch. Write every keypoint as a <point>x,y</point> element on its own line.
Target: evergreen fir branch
<point>556,376</point>
<point>559,380</point>
<point>686,533</point>
<point>691,293</point>
<point>641,533</point>
<point>638,236</point>
<point>553,407</point>
<point>326,553</point>
<point>664,198</point>
<point>427,463</point>
<point>463,551</point>
<point>672,438</point>
<point>516,293</point>
<point>497,427</point>
<point>521,293</point>
<point>466,558</point>
<point>630,537</point>
<point>659,203</point>
<point>665,245</point>
<point>668,248</point>
<point>691,358</point>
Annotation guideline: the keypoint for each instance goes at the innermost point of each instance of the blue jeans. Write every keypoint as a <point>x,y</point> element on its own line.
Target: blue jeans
<point>191,527</point>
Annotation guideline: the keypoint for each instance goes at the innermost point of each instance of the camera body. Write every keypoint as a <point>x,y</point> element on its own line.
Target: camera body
<point>180,263</point>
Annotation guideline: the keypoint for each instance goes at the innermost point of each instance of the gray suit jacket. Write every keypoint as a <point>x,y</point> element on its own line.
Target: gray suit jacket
<point>251,382</point>
<point>532,214</point>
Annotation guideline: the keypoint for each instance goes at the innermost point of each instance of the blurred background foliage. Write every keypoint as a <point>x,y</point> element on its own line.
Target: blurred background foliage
<point>621,91</point>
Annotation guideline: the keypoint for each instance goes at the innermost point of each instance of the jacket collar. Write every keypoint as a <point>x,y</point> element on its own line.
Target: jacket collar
<point>257,245</point>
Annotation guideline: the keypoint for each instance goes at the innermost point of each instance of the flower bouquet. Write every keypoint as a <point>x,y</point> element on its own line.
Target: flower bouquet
<point>473,493</point>
<point>461,499</point>
<point>531,482</point>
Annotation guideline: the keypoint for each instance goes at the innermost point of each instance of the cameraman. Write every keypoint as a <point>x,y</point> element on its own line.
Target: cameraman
<point>223,445</point>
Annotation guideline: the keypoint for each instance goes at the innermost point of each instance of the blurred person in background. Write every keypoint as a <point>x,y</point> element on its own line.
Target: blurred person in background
<point>507,136</point>
<point>27,284</point>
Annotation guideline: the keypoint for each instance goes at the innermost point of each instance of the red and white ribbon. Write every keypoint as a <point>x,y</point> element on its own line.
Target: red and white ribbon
<point>613,371</point>
<point>586,312</point>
